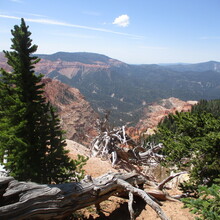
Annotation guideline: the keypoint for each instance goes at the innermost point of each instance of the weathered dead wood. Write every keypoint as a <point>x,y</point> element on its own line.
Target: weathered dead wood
<point>145,196</point>
<point>161,185</point>
<point>157,191</point>
<point>27,200</point>
<point>150,155</point>
<point>130,208</point>
<point>117,145</point>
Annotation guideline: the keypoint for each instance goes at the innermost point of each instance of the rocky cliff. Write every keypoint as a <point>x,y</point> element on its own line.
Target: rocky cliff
<point>78,118</point>
<point>71,64</point>
<point>157,111</point>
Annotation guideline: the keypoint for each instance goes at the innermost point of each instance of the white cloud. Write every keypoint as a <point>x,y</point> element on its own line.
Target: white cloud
<point>77,36</point>
<point>60,23</point>
<point>17,1</point>
<point>122,21</point>
<point>36,15</point>
<point>29,14</point>
<point>154,48</point>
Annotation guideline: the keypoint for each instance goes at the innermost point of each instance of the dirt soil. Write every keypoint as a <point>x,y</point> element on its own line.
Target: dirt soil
<point>116,208</point>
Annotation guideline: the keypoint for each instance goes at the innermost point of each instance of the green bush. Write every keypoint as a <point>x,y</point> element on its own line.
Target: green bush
<point>207,206</point>
<point>192,142</point>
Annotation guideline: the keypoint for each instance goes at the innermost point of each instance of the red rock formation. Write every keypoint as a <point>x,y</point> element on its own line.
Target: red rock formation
<point>3,62</point>
<point>68,69</point>
<point>156,112</point>
<point>78,118</point>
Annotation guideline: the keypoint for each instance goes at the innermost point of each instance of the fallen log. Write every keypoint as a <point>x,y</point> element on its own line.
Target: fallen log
<point>28,200</point>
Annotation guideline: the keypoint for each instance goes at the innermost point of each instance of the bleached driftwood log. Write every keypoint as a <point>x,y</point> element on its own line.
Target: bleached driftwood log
<point>117,145</point>
<point>27,200</point>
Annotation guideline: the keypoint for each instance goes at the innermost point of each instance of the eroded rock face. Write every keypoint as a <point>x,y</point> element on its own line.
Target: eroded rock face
<point>3,62</point>
<point>156,112</point>
<point>71,66</point>
<point>78,118</point>
<point>70,69</point>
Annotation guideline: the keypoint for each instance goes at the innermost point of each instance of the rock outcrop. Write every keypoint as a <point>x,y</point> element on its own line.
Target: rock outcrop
<point>70,64</point>
<point>74,64</point>
<point>3,62</point>
<point>78,118</point>
<point>153,114</point>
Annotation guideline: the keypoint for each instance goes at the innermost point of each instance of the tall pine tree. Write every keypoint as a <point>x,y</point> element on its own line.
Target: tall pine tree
<point>30,138</point>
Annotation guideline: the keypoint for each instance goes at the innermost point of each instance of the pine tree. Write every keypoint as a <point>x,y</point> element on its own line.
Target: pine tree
<point>30,138</point>
<point>192,139</point>
<point>57,167</point>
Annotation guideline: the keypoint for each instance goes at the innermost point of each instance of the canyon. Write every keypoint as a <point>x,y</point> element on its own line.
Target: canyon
<point>77,118</point>
<point>82,86</point>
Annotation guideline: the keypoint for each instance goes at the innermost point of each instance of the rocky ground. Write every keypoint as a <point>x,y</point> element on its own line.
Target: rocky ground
<point>116,208</point>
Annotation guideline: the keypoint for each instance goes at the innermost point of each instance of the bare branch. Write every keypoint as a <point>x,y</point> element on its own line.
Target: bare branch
<point>117,145</point>
<point>161,185</point>
<point>144,196</point>
<point>130,208</point>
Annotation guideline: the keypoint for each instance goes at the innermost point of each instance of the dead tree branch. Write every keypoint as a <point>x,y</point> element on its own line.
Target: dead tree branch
<point>144,196</point>
<point>28,200</point>
<point>117,145</point>
<point>161,185</point>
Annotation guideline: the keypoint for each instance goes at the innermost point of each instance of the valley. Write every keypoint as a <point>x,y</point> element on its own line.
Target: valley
<point>127,90</point>
<point>124,89</point>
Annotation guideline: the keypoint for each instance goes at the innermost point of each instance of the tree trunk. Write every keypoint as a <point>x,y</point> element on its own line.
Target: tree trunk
<point>28,200</point>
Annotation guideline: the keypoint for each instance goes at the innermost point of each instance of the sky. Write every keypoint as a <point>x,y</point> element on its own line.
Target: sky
<point>133,31</point>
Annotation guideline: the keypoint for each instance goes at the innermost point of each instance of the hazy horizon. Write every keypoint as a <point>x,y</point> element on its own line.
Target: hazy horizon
<point>175,63</point>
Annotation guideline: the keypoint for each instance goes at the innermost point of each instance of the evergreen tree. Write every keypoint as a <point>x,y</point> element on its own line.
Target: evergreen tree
<point>31,138</point>
<point>57,167</point>
<point>192,139</point>
<point>211,106</point>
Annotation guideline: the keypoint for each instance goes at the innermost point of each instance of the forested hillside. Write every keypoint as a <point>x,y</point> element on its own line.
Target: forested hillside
<point>124,89</point>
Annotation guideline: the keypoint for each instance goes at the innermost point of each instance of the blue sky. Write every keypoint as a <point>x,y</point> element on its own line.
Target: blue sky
<point>133,31</point>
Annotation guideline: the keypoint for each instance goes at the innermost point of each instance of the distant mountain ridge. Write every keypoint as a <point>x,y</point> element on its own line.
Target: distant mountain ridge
<point>126,89</point>
<point>198,67</point>
<point>82,57</point>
